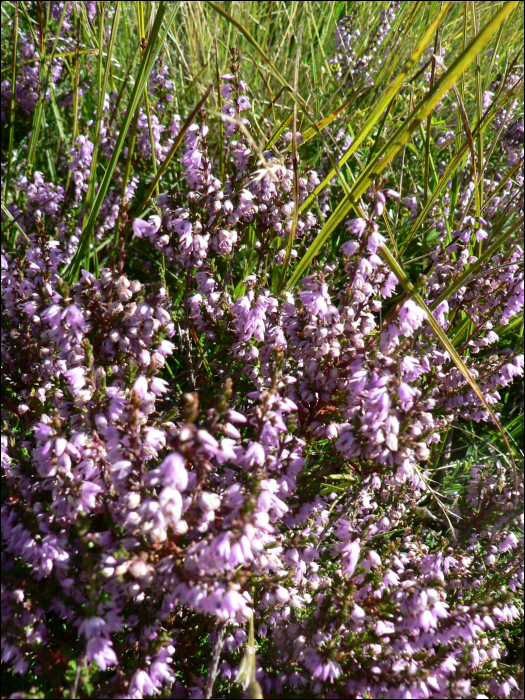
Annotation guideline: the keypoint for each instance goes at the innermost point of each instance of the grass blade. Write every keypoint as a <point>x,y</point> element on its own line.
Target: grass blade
<point>396,143</point>
<point>295,164</point>
<point>452,167</point>
<point>260,51</point>
<point>155,44</point>
<point>311,132</point>
<point>172,151</point>
<point>46,69</point>
<point>382,104</point>
<point>102,86</point>
<point>280,131</point>
<point>12,221</point>
<point>446,343</point>
<point>12,101</point>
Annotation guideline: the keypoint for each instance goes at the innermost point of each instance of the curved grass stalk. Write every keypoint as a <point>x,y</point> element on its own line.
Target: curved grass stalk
<point>45,72</point>
<point>446,343</point>
<point>383,103</point>
<point>452,167</point>
<point>396,143</point>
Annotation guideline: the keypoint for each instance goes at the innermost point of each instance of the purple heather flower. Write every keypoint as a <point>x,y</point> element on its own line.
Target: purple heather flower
<point>349,248</point>
<point>76,378</point>
<point>351,552</point>
<point>141,685</point>
<point>243,103</point>
<point>145,229</point>
<point>189,508</point>
<point>100,650</point>
<point>405,392</point>
<point>174,472</point>
<point>325,670</point>
<point>411,317</point>
<point>375,241</point>
<point>356,226</point>
<point>89,492</point>
<point>74,318</point>
<point>140,387</point>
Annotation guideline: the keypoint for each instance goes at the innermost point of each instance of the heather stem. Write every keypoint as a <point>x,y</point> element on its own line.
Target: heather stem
<point>215,658</point>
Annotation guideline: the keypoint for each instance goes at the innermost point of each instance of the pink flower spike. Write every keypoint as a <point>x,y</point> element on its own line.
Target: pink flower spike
<point>141,386</point>
<point>405,392</point>
<point>174,472</point>
<point>375,241</point>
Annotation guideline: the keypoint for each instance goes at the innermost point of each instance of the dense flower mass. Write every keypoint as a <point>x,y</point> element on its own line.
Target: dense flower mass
<point>214,483</point>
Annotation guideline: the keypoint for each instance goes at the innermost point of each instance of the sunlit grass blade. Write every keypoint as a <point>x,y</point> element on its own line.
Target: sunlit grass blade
<point>12,221</point>
<point>446,81</point>
<point>395,144</point>
<point>246,677</point>
<point>279,131</point>
<point>58,55</point>
<point>142,32</point>
<point>156,41</point>
<point>445,342</point>
<point>333,222</point>
<point>382,104</point>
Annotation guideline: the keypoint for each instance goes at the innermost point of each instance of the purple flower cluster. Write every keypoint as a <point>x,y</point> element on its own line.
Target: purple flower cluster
<point>29,78</point>
<point>348,66</point>
<point>192,454</point>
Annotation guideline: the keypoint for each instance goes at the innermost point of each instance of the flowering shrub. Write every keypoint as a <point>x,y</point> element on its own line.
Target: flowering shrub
<point>192,457</point>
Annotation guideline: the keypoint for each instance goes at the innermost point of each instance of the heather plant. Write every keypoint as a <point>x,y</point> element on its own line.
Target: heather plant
<point>262,403</point>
